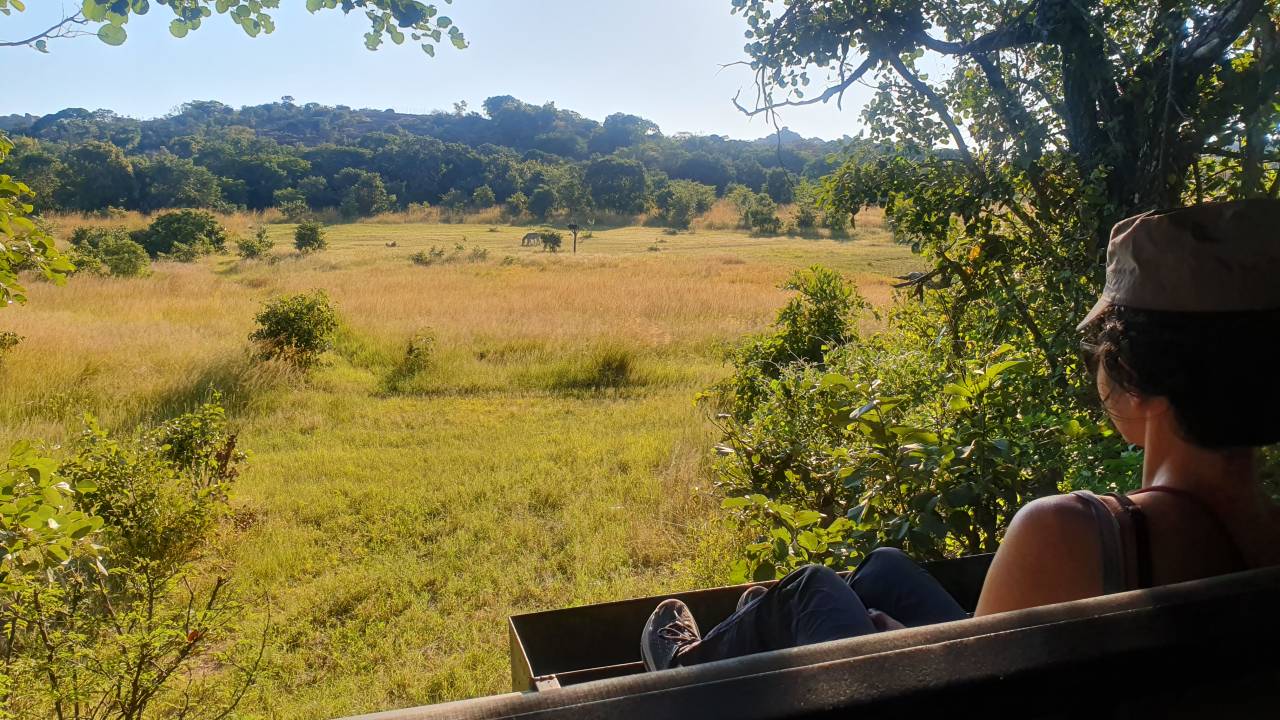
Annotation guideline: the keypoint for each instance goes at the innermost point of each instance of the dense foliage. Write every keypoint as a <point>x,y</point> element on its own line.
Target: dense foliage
<point>296,328</point>
<point>1061,120</point>
<point>303,158</point>
<point>97,580</point>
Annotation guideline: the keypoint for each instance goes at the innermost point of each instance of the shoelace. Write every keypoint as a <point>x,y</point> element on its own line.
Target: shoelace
<point>678,631</point>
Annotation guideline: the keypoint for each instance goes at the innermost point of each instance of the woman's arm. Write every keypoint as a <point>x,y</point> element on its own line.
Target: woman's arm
<point>1050,554</point>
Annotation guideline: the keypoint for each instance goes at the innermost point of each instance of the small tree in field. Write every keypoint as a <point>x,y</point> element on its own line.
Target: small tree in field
<point>296,328</point>
<point>255,247</point>
<point>196,232</point>
<point>309,237</point>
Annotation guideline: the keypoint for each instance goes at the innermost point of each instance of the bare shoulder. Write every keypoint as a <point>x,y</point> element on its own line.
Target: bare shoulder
<point>1050,554</point>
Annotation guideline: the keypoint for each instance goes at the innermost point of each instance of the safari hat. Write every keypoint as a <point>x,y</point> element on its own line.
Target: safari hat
<point>1215,257</point>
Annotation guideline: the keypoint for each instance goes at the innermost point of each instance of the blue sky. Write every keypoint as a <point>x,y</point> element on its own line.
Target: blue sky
<point>657,58</point>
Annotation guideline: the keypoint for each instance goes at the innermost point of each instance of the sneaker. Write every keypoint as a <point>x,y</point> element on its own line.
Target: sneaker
<point>750,594</point>
<point>670,629</point>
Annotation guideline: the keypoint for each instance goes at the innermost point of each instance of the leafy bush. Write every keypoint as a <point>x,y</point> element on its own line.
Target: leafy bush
<point>459,254</point>
<point>551,240</point>
<point>258,246</point>
<point>101,251</point>
<point>309,237</point>
<point>98,578</point>
<point>418,357</point>
<point>8,341</point>
<point>835,444</point>
<point>683,200</point>
<point>296,328</point>
<point>198,231</point>
<point>760,215</point>
<point>295,211</point>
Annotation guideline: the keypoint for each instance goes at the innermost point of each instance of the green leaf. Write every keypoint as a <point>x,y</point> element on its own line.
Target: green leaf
<point>805,518</point>
<point>113,35</point>
<point>178,29</point>
<point>810,542</point>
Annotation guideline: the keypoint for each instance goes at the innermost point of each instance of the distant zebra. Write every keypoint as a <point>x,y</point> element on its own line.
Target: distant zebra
<point>532,238</point>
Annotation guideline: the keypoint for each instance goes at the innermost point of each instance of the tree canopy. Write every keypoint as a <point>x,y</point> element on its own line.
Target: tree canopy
<point>107,19</point>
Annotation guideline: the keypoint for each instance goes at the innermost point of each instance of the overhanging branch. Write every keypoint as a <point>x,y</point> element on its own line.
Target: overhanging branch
<point>63,28</point>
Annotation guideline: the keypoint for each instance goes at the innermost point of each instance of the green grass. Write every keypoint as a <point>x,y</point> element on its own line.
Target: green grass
<point>547,453</point>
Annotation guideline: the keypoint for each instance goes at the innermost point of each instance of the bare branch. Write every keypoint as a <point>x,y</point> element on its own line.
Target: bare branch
<point>938,106</point>
<point>831,92</point>
<point>66,27</point>
<point>1207,45</point>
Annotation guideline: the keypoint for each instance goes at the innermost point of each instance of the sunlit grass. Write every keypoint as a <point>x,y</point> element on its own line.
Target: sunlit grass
<point>548,454</point>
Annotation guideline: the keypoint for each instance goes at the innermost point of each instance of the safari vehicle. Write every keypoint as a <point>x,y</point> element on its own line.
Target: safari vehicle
<point>1207,648</point>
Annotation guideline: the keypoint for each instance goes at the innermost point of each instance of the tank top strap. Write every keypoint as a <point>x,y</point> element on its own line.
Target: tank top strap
<point>1192,499</point>
<point>1111,543</point>
<point>1141,535</point>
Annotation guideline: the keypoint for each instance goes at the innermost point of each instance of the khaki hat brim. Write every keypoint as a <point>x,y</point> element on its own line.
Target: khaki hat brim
<point>1098,308</point>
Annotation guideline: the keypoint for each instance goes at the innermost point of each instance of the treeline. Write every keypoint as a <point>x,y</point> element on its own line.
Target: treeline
<point>530,158</point>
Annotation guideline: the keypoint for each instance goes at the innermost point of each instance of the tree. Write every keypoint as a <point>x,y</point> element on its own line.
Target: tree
<point>168,181</point>
<point>682,200</point>
<point>483,197</point>
<point>363,194</point>
<point>705,168</point>
<point>618,185</point>
<point>621,130</point>
<point>542,202</point>
<point>98,175</point>
<point>195,231</point>
<point>780,186</point>
<point>107,18</point>
<point>1060,117</point>
<point>309,237</point>
<point>517,204</point>
<point>23,243</point>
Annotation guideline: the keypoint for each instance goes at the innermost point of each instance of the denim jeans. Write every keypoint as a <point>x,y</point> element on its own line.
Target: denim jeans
<point>814,604</point>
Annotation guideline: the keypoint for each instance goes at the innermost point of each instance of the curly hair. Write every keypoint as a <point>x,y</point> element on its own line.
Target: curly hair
<point>1219,371</point>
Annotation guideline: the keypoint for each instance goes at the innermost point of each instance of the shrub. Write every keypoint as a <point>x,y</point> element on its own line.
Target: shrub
<point>198,230</point>
<point>102,251</point>
<point>543,201</point>
<point>682,200</point>
<point>835,444</point>
<point>295,211</point>
<point>551,240</point>
<point>308,237</point>
<point>8,341</point>
<point>102,582</point>
<point>124,257</point>
<point>761,215</point>
<point>296,328</point>
<point>459,254</point>
<point>258,246</point>
<point>418,357</point>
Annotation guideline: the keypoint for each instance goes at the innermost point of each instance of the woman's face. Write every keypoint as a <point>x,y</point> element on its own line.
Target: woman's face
<point>1127,411</point>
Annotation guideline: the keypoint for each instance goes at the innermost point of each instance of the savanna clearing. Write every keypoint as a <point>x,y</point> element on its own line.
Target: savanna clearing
<point>549,452</point>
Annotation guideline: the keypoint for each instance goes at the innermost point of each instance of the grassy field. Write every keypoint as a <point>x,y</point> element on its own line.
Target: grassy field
<point>551,455</point>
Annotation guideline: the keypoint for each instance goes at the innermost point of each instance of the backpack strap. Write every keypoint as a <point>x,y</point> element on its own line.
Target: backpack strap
<point>1115,564</point>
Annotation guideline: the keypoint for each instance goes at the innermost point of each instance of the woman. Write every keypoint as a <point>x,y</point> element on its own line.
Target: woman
<point>1185,345</point>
